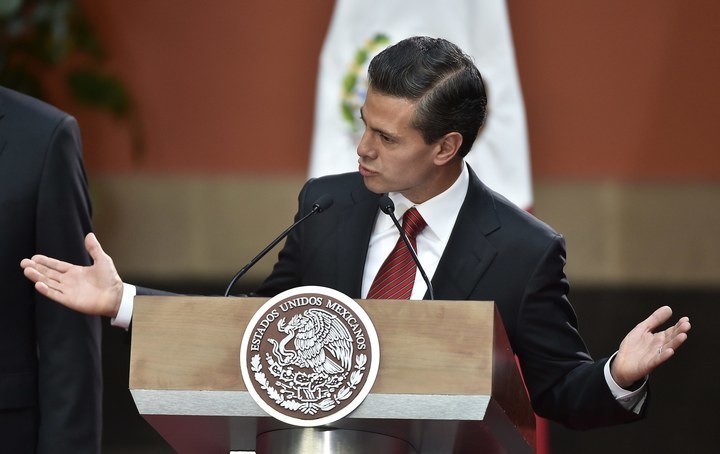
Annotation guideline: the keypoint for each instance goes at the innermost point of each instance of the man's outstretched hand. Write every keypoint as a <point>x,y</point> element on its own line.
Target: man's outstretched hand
<point>643,349</point>
<point>94,290</point>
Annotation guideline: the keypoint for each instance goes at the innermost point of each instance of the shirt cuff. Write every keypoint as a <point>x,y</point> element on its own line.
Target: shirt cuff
<point>124,315</point>
<point>630,400</point>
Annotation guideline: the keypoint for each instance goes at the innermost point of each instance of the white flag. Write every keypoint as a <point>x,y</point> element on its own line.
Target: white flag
<point>361,29</point>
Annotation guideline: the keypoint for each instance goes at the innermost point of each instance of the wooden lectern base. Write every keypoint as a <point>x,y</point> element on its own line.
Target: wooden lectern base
<point>448,381</point>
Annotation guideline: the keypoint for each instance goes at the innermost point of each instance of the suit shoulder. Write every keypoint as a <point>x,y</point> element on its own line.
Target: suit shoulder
<point>521,222</point>
<point>347,190</point>
<point>16,106</point>
<point>338,181</point>
<point>339,186</point>
<point>497,216</point>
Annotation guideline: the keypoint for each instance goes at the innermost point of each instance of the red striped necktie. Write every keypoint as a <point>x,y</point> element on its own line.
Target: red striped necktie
<point>396,277</point>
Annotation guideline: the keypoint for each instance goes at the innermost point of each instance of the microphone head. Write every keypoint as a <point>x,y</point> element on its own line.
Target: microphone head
<point>386,204</point>
<point>323,203</point>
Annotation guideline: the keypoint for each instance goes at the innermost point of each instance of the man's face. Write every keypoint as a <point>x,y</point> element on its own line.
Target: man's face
<point>394,156</point>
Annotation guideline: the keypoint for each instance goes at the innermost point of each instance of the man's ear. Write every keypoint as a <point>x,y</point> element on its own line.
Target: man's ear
<point>448,145</point>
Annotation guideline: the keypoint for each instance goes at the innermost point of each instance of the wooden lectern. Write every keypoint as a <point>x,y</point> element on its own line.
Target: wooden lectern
<point>448,381</point>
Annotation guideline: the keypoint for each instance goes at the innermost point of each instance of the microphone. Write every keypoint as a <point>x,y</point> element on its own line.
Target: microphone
<point>321,204</point>
<point>388,207</point>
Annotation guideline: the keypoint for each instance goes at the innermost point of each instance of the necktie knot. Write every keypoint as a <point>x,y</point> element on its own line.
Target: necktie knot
<point>413,223</point>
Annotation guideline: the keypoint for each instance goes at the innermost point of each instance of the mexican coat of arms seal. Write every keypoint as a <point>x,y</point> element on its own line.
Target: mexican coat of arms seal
<point>309,356</point>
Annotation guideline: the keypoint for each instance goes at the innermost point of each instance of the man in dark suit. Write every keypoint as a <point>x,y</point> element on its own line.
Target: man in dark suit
<point>50,365</point>
<point>424,107</point>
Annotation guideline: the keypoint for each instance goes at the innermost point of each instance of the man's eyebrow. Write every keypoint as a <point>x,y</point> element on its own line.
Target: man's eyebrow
<point>377,130</point>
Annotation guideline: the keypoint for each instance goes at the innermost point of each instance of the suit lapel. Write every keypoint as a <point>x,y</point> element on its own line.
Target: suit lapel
<point>468,252</point>
<point>355,224</point>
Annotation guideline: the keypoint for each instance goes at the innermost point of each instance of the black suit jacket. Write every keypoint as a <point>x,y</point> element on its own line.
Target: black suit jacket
<point>49,356</point>
<point>496,252</point>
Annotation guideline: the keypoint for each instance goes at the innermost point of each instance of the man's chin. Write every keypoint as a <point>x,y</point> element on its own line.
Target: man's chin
<point>373,185</point>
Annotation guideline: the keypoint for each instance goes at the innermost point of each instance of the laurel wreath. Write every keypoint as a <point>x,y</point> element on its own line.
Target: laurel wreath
<point>311,408</point>
<point>348,105</point>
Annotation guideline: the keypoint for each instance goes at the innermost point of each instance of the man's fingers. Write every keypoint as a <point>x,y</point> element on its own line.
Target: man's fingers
<point>33,274</point>
<point>645,348</point>
<point>682,326</point>
<point>676,341</point>
<point>42,288</point>
<point>675,336</point>
<point>41,280</point>
<point>50,263</point>
<point>679,329</point>
<point>46,274</point>
<point>48,292</point>
<point>657,318</point>
<point>93,247</point>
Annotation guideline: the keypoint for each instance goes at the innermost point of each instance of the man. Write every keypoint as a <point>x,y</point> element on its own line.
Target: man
<point>50,364</point>
<point>425,105</point>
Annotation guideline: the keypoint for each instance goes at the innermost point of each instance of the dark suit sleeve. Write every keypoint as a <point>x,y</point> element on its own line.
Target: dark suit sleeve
<point>287,271</point>
<point>69,343</point>
<point>565,384</point>
<point>145,291</point>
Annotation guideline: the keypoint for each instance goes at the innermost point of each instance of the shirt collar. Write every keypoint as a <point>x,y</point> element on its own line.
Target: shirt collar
<point>439,212</point>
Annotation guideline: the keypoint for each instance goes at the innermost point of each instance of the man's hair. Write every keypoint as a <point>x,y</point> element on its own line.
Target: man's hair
<point>444,82</point>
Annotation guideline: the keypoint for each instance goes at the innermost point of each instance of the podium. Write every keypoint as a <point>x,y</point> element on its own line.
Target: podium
<point>447,383</point>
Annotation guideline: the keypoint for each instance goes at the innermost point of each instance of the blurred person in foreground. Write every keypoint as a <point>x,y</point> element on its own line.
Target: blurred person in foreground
<point>50,356</point>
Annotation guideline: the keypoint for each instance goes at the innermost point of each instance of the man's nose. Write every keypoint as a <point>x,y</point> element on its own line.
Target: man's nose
<point>365,148</point>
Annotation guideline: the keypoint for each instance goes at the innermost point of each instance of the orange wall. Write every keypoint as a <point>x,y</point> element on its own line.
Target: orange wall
<point>615,89</point>
<point>220,86</point>
<point>621,88</point>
